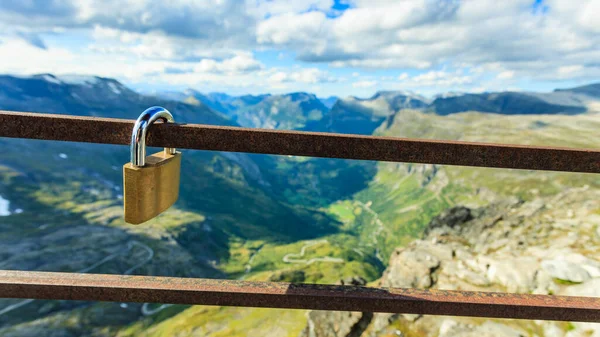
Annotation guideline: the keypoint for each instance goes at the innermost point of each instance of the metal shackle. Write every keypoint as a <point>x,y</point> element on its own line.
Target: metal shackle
<point>140,130</point>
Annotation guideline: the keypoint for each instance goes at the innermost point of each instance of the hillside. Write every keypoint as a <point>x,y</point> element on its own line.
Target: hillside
<point>545,246</point>
<point>363,116</point>
<point>568,101</point>
<point>590,90</point>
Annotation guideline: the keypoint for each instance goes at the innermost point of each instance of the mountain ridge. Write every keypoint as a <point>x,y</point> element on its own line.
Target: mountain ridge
<point>592,89</point>
<point>364,115</point>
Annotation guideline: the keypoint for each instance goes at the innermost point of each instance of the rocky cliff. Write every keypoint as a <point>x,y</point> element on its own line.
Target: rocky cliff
<point>543,246</point>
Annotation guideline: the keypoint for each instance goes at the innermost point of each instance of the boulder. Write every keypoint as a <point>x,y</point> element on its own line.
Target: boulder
<point>565,270</point>
<point>515,274</point>
<point>451,218</point>
<point>411,268</point>
<point>336,324</point>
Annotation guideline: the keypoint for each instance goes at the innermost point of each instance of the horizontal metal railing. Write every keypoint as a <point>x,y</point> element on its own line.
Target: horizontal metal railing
<point>123,288</point>
<point>314,144</point>
<point>94,287</point>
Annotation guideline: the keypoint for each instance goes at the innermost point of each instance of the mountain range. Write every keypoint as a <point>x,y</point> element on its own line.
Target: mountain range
<point>304,111</point>
<point>289,111</point>
<point>260,217</point>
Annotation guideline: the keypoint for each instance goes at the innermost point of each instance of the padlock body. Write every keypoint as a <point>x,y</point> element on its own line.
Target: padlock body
<point>151,189</point>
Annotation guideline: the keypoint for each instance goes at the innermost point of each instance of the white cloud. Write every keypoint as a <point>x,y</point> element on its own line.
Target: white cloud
<point>33,59</point>
<point>218,41</point>
<point>435,78</point>
<point>178,30</point>
<point>569,71</point>
<point>308,75</point>
<point>279,77</point>
<point>272,8</point>
<point>63,61</point>
<point>204,20</point>
<point>304,30</point>
<point>425,34</point>
<point>506,75</point>
<point>153,45</point>
<point>364,84</point>
<point>236,64</point>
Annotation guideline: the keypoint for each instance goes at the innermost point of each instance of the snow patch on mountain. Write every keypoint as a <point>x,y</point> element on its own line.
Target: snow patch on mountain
<point>114,88</point>
<point>51,79</point>
<point>4,204</point>
<point>78,79</point>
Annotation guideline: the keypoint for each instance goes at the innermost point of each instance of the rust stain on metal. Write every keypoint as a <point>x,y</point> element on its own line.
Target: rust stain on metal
<point>123,288</point>
<point>314,144</point>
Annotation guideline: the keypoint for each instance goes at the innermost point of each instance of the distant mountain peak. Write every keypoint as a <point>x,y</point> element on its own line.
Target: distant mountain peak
<point>91,96</point>
<point>81,79</point>
<point>72,79</point>
<point>391,94</point>
<point>190,92</point>
<point>329,101</point>
<point>592,90</point>
<point>300,94</point>
<point>449,94</point>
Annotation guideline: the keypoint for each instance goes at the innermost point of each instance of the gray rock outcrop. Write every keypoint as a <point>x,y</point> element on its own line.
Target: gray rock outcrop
<point>544,246</point>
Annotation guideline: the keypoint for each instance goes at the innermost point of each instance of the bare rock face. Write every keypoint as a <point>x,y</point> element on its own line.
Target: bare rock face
<point>565,270</point>
<point>450,218</point>
<point>544,246</point>
<point>338,323</point>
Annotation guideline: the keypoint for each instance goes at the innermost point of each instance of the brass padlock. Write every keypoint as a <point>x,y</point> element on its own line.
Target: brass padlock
<point>150,184</point>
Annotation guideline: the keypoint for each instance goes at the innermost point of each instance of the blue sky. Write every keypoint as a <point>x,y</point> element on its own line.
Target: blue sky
<point>353,47</point>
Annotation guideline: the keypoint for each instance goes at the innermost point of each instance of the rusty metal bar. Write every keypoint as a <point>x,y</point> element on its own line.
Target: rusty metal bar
<point>315,144</point>
<point>122,288</point>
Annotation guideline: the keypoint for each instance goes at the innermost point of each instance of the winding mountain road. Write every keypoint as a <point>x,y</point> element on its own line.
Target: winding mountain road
<point>296,257</point>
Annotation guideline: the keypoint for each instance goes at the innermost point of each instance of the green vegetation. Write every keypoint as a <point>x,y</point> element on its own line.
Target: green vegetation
<point>565,282</point>
<point>223,321</point>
